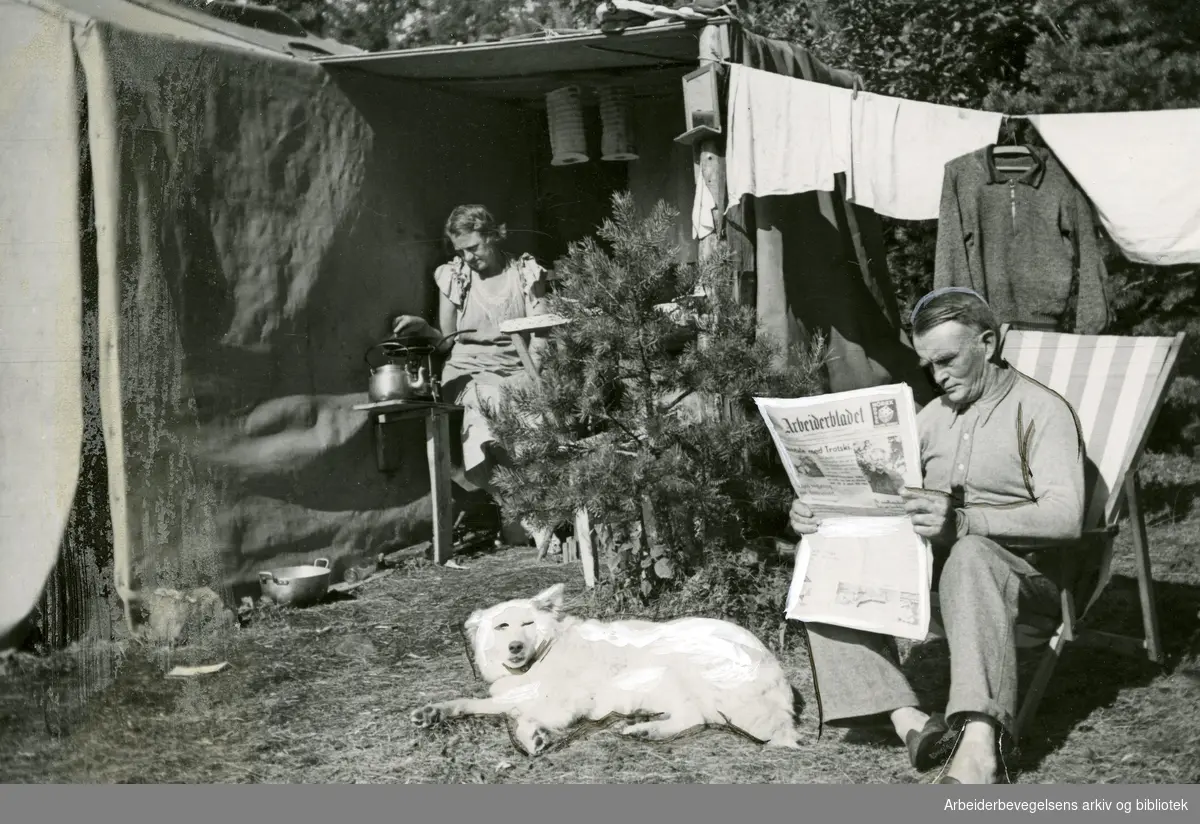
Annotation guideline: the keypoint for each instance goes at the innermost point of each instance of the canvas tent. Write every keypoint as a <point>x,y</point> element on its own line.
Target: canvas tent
<point>201,237</point>
<point>201,232</point>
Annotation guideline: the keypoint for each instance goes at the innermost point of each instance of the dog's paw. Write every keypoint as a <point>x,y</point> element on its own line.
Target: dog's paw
<point>539,741</point>
<point>638,730</point>
<point>427,716</point>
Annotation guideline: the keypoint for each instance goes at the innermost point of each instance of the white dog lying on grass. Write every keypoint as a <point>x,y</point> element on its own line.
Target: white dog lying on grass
<point>549,671</point>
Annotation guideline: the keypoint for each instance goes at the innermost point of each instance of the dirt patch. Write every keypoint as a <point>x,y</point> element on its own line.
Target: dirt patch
<point>323,695</point>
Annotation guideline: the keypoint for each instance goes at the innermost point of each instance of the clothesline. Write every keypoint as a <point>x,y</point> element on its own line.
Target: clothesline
<point>788,136</point>
<point>854,91</point>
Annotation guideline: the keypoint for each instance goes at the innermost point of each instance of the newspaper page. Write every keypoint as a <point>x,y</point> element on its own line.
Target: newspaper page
<point>848,455</point>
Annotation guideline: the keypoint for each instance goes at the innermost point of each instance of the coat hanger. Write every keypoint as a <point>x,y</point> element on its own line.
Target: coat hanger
<point>1010,151</point>
<point>1013,150</point>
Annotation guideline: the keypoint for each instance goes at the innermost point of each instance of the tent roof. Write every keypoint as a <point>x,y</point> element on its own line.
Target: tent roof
<point>650,59</point>
<point>173,18</point>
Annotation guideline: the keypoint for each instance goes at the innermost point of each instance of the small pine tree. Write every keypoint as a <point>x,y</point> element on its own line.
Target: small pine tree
<point>644,413</point>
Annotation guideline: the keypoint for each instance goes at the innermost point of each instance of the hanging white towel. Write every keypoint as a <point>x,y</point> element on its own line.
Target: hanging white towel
<point>786,135</point>
<point>901,148</point>
<point>1141,171</point>
<point>703,223</point>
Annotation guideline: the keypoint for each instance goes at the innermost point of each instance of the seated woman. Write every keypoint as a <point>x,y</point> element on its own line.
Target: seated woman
<point>482,287</point>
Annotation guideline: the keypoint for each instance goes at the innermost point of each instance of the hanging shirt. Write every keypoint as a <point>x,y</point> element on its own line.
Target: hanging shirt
<point>900,149</point>
<point>1141,170</point>
<point>1024,241</point>
<point>786,136</point>
<point>790,136</point>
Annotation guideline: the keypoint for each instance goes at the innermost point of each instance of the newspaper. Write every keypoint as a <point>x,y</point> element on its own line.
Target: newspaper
<point>848,455</point>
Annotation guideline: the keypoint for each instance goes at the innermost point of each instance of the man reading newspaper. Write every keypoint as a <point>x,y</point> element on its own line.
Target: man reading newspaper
<point>1002,462</point>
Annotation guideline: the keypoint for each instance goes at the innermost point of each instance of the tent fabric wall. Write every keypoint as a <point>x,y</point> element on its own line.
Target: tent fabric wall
<point>41,404</point>
<point>258,220</point>
<point>821,262</point>
<point>265,222</point>
<point>167,19</point>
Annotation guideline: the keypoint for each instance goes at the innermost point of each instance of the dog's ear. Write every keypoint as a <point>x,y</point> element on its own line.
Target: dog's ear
<point>550,599</point>
<point>471,625</point>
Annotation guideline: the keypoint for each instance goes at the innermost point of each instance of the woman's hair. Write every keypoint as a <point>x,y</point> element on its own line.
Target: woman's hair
<point>473,217</point>
<point>953,304</point>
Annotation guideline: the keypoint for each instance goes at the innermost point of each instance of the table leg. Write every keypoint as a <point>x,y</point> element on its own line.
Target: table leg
<point>520,342</point>
<point>583,541</point>
<point>437,451</point>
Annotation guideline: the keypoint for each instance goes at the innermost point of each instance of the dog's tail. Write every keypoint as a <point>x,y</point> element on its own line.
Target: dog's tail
<point>786,732</point>
<point>786,737</point>
<point>772,726</point>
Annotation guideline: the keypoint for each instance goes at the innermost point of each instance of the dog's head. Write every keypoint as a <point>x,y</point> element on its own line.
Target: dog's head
<point>509,637</point>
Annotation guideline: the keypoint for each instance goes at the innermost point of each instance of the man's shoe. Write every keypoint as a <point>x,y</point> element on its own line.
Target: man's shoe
<point>1001,775</point>
<point>924,750</point>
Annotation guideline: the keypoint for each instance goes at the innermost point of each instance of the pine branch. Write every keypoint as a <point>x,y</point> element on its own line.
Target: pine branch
<point>608,427</point>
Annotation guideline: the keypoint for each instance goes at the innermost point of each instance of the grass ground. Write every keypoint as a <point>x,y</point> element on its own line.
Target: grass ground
<point>323,694</point>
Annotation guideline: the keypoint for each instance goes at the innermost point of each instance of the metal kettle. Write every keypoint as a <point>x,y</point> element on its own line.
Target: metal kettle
<point>407,372</point>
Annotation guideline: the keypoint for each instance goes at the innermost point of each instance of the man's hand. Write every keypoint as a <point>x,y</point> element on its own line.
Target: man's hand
<point>932,514</point>
<point>801,520</point>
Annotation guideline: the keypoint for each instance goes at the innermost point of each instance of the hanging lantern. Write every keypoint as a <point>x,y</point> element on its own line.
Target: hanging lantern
<point>615,114</point>
<point>568,139</point>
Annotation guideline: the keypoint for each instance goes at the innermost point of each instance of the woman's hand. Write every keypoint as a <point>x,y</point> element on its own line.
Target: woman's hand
<point>801,520</point>
<point>932,514</point>
<point>411,326</point>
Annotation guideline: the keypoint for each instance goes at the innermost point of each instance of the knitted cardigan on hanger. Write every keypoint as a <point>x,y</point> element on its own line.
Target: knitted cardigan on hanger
<point>1026,242</point>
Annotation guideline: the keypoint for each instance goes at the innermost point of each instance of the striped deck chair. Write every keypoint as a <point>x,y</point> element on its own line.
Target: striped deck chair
<point>1117,386</point>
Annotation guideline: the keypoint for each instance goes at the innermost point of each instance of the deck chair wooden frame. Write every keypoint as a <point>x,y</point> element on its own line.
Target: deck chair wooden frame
<point>1117,385</point>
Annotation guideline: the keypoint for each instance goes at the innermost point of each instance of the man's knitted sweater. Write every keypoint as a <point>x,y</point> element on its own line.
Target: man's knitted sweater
<point>1026,241</point>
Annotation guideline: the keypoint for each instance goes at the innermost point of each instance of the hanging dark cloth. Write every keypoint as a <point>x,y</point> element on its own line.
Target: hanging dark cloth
<point>820,262</point>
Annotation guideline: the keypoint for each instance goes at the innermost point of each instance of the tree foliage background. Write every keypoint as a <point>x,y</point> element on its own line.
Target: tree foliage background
<point>391,24</point>
<point>1015,56</point>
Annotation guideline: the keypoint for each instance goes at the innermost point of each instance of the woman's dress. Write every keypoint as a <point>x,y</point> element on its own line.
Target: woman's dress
<point>485,360</point>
